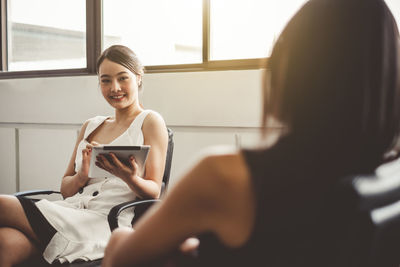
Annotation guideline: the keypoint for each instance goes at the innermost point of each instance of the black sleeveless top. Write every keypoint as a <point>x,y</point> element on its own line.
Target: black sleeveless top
<point>291,189</point>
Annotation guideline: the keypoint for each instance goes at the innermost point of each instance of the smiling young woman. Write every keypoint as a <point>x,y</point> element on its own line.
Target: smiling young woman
<point>76,227</point>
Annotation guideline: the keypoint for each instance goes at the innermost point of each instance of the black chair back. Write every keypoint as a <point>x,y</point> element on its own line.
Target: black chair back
<point>142,208</point>
<point>367,221</point>
<point>168,161</point>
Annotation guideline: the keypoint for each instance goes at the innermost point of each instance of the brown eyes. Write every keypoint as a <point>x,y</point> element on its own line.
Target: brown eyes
<point>121,79</point>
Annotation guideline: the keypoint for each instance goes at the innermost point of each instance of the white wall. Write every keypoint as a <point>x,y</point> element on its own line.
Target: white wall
<point>40,118</point>
<point>8,165</point>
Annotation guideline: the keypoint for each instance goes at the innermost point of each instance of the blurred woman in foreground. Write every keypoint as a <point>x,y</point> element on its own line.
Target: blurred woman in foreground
<point>333,82</point>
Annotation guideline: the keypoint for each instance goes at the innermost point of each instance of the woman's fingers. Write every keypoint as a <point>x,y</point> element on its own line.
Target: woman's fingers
<point>104,163</point>
<point>190,245</point>
<point>115,161</point>
<point>134,166</point>
<point>86,154</point>
<point>88,146</point>
<point>132,161</point>
<point>100,165</point>
<point>92,144</point>
<point>83,173</point>
<point>111,163</point>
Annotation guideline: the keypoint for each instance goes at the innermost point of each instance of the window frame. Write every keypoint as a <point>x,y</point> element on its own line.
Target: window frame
<point>94,47</point>
<point>207,64</point>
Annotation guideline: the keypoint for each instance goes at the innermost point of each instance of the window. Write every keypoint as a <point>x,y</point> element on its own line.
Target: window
<point>45,41</point>
<point>161,32</point>
<point>203,34</point>
<point>247,29</point>
<point>56,40</point>
<point>66,37</point>
<point>166,34</point>
<point>40,39</point>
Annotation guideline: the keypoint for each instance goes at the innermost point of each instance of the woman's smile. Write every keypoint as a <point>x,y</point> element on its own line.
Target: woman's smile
<point>118,97</point>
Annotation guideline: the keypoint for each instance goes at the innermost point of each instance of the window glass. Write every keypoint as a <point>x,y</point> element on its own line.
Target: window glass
<point>46,34</point>
<point>161,32</point>
<point>247,29</point>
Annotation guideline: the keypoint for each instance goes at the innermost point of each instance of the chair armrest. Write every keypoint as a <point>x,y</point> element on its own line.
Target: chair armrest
<point>35,192</point>
<point>116,210</point>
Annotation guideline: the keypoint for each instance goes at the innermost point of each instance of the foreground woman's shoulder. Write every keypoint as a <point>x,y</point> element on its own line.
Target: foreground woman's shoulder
<point>227,187</point>
<point>226,168</point>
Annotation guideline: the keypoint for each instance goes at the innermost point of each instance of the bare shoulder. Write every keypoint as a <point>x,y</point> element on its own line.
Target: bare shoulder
<point>230,175</point>
<point>214,195</point>
<point>219,178</point>
<point>153,121</point>
<point>84,125</point>
<point>216,176</point>
<point>232,195</point>
<point>154,127</point>
<point>228,167</point>
<point>82,130</point>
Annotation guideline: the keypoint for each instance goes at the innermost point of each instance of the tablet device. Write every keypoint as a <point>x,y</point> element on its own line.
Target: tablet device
<point>123,153</point>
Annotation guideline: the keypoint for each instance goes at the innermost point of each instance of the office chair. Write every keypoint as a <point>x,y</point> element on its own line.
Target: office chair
<point>140,208</point>
<point>365,221</point>
<point>142,205</point>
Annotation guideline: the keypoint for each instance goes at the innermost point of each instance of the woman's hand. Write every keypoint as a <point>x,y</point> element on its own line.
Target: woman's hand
<point>86,154</point>
<point>113,165</point>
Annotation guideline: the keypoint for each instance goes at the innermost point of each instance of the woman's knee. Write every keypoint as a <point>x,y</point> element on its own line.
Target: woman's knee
<point>13,215</point>
<point>5,240</point>
<point>15,246</point>
<point>10,210</point>
<point>3,201</point>
<point>4,249</point>
<point>6,208</point>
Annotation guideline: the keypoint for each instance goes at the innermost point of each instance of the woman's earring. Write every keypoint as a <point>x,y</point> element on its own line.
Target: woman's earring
<point>140,82</point>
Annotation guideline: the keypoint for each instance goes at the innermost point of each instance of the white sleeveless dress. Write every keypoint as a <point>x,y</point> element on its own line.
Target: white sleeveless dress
<point>81,220</point>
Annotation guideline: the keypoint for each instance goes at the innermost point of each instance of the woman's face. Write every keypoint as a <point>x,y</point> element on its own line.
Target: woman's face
<point>119,85</point>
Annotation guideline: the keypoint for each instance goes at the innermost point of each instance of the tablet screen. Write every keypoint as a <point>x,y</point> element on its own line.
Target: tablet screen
<point>123,153</point>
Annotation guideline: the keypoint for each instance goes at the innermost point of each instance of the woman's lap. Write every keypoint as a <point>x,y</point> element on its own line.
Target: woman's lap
<point>40,226</point>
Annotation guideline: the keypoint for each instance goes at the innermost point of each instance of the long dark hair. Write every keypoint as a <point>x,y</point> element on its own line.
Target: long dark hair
<point>334,76</point>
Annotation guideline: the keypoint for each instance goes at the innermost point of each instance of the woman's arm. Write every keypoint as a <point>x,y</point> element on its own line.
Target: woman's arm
<point>155,134</point>
<point>73,181</point>
<point>216,195</point>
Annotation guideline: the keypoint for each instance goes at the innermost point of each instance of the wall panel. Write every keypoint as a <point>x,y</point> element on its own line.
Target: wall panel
<point>192,143</point>
<point>204,109</point>
<point>7,161</point>
<point>44,156</point>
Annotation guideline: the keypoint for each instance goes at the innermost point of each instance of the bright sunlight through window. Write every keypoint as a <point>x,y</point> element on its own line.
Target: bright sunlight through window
<point>161,32</point>
<point>247,29</point>
<point>46,34</point>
